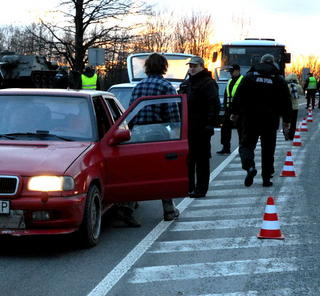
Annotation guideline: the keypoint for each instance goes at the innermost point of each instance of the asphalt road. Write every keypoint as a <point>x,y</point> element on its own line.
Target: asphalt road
<point>212,250</point>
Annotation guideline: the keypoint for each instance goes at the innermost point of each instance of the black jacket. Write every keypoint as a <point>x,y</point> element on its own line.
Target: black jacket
<point>263,97</point>
<point>203,101</point>
<point>226,104</point>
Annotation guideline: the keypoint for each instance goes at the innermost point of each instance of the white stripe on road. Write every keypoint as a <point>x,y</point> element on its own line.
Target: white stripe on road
<point>224,243</point>
<point>231,224</point>
<point>113,277</point>
<point>221,212</point>
<point>232,201</point>
<point>212,269</point>
<point>277,292</point>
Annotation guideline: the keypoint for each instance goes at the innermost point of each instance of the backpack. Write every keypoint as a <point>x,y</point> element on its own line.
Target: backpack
<point>293,91</point>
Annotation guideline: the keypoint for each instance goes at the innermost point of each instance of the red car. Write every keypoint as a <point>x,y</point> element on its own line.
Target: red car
<point>66,156</point>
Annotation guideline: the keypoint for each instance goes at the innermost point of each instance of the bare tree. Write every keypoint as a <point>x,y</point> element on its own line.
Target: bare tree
<point>88,23</point>
<point>192,34</point>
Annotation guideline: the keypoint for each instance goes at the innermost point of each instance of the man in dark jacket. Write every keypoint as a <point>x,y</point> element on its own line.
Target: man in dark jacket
<point>90,79</point>
<point>203,110</point>
<point>227,124</point>
<point>260,101</point>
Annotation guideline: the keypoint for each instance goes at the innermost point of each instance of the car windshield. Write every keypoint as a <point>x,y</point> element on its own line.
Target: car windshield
<point>33,116</point>
<point>177,67</point>
<point>123,94</point>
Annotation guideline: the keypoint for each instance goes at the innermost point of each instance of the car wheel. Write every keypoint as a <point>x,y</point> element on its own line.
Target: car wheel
<point>91,224</point>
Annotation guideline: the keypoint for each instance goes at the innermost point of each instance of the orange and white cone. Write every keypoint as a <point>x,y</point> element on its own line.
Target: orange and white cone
<point>297,138</point>
<point>288,168</point>
<point>270,225</point>
<point>303,125</point>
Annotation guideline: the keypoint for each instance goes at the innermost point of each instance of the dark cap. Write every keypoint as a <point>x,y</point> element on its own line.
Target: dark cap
<point>234,67</point>
<point>196,60</point>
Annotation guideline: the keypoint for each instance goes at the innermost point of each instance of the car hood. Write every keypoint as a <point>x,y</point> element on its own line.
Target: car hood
<point>33,158</point>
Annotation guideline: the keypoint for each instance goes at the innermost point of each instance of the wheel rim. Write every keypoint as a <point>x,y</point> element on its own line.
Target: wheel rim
<point>95,215</point>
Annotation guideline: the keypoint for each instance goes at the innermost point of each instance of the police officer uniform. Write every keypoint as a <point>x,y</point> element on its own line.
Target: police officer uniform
<point>89,79</point>
<point>227,124</point>
<point>311,88</point>
<point>260,101</point>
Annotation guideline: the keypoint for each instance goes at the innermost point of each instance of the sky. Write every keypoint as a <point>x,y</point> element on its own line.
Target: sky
<point>294,23</point>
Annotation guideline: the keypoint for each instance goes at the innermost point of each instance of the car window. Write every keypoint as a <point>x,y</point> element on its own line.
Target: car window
<point>103,120</point>
<point>152,121</point>
<point>123,94</point>
<point>64,116</point>
<point>114,109</point>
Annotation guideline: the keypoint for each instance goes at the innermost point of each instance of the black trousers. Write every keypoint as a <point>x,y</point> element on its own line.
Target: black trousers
<point>311,96</point>
<point>249,141</point>
<point>226,131</point>
<point>293,124</point>
<point>199,161</point>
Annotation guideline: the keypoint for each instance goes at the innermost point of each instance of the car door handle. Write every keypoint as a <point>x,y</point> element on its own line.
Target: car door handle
<point>171,156</point>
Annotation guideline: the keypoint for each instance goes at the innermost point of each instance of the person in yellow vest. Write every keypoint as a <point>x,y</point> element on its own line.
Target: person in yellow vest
<point>89,79</point>
<point>227,124</point>
<point>311,87</point>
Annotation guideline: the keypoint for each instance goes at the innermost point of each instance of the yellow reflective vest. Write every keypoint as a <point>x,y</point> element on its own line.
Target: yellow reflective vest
<point>233,91</point>
<point>89,82</point>
<point>312,83</point>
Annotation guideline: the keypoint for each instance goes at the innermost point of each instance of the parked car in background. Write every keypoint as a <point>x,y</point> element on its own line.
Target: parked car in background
<point>67,155</point>
<point>177,72</point>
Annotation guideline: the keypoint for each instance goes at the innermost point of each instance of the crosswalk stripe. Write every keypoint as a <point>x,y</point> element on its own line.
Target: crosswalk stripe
<point>277,292</point>
<point>230,224</point>
<point>212,269</point>
<point>231,201</point>
<point>214,213</point>
<point>224,243</point>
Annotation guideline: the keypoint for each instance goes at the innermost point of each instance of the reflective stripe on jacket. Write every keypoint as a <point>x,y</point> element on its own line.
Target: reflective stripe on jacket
<point>89,82</point>
<point>312,83</point>
<point>234,88</point>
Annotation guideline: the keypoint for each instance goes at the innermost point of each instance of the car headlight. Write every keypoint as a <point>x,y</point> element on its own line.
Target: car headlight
<point>51,183</point>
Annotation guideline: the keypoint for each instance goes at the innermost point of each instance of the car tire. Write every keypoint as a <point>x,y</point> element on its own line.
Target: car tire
<point>91,223</point>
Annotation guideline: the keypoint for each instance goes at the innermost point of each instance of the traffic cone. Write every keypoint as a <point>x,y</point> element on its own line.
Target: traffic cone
<point>309,117</point>
<point>288,168</point>
<point>270,225</point>
<point>297,138</point>
<point>303,125</point>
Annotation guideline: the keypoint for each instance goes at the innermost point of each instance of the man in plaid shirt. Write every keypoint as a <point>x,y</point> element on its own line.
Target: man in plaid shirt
<point>155,66</point>
<point>155,85</point>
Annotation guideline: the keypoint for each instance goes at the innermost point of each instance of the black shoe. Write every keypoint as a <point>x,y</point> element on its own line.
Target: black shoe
<point>250,175</point>
<point>224,151</point>
<point>197,194</point>
<point>169,216</point>
<point>267,183</point>
<point>125,218</point>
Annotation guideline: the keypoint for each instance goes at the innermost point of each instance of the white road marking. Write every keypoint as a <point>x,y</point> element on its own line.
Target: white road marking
<point>231,224</point>
<point>232,201</point>
<point>224,243</point>
<point>212,269</point>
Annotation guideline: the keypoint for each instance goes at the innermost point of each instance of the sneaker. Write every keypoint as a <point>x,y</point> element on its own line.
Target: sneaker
<point>169,216</point>
<point>248,181</point>
<point>197,194</point>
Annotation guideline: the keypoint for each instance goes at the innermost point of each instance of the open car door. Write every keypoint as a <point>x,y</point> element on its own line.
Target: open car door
<point>147,157</point>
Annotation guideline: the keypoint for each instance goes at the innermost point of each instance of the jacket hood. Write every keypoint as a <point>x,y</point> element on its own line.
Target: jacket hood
<point>265,69</point>
<point>37,158</point>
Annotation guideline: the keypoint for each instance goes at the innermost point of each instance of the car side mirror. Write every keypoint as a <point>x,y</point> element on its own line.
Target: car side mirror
<point>119,136</point>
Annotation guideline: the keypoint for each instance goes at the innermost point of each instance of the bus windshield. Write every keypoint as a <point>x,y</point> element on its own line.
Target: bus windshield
<point>250,55</point>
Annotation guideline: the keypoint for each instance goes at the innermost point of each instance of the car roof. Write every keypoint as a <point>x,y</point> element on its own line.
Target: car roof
<point>123,85</point>
<point>54,92</point>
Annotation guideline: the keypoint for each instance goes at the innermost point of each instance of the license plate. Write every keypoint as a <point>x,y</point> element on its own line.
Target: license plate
<point>5,207</point>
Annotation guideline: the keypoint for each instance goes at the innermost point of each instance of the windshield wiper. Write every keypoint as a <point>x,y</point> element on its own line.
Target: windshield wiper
<point>39,134</point>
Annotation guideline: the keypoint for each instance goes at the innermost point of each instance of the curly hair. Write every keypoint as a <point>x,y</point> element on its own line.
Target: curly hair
<point>156,64</point>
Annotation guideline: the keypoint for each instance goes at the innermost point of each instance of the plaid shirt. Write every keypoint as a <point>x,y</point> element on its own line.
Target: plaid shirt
<point>155,85</point>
